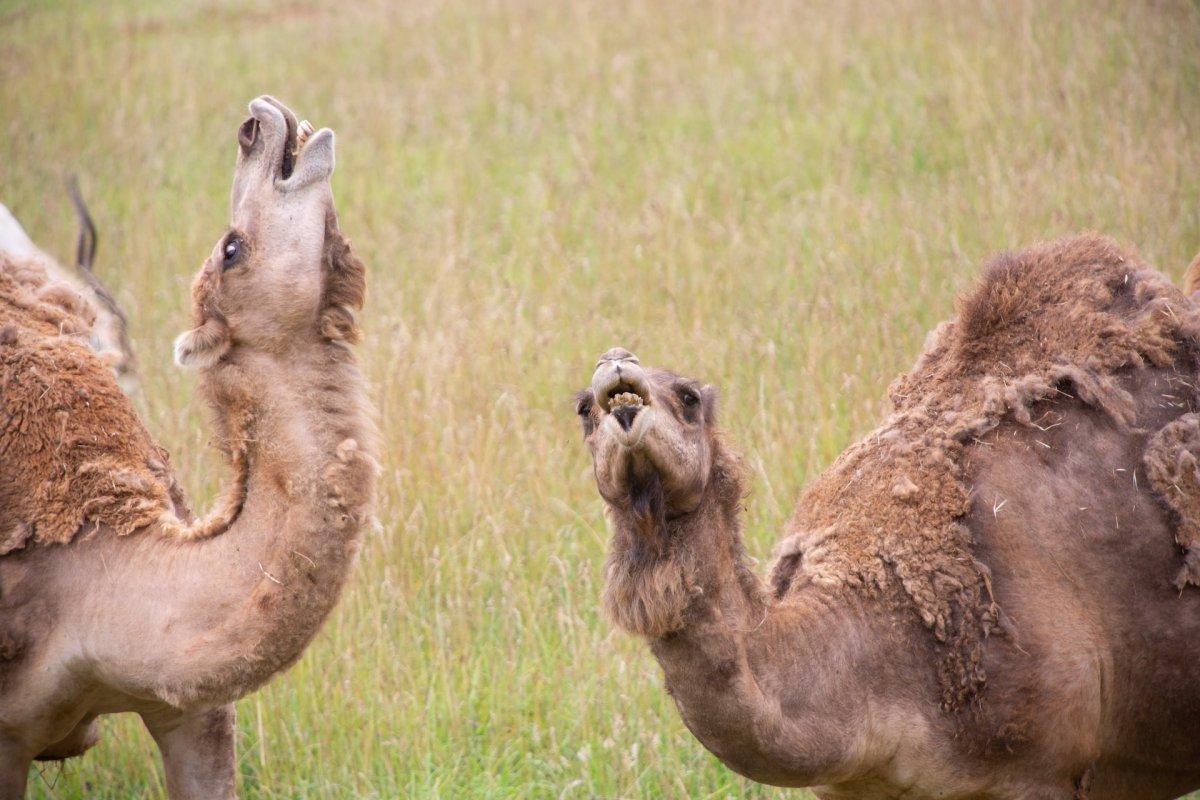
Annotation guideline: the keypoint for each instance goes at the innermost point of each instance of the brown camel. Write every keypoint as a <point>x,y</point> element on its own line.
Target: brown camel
<point>989,596</point>
<point>112,599</point>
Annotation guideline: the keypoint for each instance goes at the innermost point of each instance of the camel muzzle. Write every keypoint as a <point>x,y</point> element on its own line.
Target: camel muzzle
<point>275,146</point>
<point>620,384</point>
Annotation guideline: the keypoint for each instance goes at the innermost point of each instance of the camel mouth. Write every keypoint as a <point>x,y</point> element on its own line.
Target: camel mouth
<point>297,136</point>
<point>625,394</point>
<point>625,407</point>
<point>290,148</point>
<point>287,137</point>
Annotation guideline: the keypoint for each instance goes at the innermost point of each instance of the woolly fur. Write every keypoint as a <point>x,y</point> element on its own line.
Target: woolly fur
<point>71,445</point>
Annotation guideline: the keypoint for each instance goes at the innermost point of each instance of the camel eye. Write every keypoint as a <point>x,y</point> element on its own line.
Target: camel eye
<point>689,397</point>
<point>232,251</point>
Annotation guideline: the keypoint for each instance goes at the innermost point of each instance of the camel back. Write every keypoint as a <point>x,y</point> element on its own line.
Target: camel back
<point>73,454</point>
<point>887,518</point>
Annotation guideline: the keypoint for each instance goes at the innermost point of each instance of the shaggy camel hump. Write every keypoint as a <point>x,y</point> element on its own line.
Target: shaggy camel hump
<point>1066,319</point>
<point>108,324</point>
<point>72,449</point>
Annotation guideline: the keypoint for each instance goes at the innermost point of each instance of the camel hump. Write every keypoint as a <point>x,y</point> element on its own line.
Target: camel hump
<point>66,427</point>
<point>1065,321</point>
<point>1191,278</point>
<point>80,291</point>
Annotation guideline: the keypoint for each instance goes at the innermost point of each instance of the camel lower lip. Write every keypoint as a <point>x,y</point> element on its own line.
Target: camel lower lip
<point>626,414</point>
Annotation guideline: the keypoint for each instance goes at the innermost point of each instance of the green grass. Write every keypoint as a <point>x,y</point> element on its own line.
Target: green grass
<point>778,198</point>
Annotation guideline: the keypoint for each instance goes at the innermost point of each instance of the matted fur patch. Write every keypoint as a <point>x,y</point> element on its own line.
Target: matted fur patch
<point>72,449</point>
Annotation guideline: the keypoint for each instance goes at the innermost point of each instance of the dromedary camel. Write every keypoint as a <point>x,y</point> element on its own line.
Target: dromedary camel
<point>990,596</point>
<point>111,598</point>
<point>109,327</point>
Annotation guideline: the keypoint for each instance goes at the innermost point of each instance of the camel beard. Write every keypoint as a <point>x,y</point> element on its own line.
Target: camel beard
<point>647,588</point>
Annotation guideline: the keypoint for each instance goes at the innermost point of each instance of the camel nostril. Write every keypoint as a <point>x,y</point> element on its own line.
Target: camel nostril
<point>618,354</point>
<point>625,415</point>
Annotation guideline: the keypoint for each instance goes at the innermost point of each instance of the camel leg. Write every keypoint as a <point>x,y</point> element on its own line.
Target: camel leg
<point>14,772</point>
<point>81,738</point>
<point>197,752</point>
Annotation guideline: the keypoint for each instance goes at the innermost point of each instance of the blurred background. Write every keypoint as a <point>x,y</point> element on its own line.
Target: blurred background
<point>779,198</point>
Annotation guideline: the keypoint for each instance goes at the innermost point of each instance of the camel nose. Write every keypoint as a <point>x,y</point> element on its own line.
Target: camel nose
<point>618,354</point>
<point>617,372</point>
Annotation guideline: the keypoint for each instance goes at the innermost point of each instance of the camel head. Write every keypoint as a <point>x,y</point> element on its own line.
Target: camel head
<point>651,434</point>
<point>282,274</point>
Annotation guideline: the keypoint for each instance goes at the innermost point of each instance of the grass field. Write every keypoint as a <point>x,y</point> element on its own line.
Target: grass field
<point>779,198</point>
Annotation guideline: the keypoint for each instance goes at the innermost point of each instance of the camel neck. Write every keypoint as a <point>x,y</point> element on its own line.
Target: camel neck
<point>706,661</point>
<point>662,570</point>
<point>302,436</point>
<point>716,656</point>
<point>726,672</point>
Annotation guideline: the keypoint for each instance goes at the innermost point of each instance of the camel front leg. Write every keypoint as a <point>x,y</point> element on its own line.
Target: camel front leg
<point>14,772</point>
<point>197,752</point>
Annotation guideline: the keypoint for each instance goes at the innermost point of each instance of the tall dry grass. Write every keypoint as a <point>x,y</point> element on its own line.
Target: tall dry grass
<point>778,197</point>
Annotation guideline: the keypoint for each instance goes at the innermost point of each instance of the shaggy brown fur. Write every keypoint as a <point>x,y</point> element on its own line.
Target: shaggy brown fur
<point>79,290</point>
<point>1172,467</point>
<point>70,441</point>
<point>887,518</point>
<point>345,287</point>
<point>651,577</point>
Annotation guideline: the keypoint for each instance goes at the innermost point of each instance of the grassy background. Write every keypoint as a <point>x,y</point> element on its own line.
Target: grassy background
<point>778,198</point>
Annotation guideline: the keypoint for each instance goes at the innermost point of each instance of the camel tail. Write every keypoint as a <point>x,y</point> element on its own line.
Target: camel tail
<point>1191,278</point>
<point>85,261</point>
<point>85,246</point>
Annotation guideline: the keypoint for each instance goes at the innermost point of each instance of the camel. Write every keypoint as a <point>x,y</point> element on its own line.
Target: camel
<point>112,597</point>
<point>109,327</point>
<point>992,595</point>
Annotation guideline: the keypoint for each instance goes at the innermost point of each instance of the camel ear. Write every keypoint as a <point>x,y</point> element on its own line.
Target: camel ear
<point>202,347</point>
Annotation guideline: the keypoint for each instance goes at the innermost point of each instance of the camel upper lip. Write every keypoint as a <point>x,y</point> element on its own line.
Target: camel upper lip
<point>620,377</point>
<point>265,115</point>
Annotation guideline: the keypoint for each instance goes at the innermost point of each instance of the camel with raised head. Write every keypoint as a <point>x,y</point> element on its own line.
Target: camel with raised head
<point>990,596</point>
<point>112,598</point>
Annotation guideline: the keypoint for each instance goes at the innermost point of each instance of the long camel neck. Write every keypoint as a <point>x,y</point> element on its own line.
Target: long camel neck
<point>301,441</point>
<point>715,654</point>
